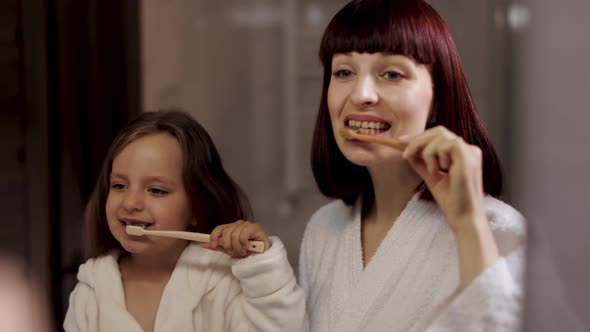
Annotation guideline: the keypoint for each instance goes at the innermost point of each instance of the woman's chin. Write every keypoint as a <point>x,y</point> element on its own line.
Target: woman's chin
<point>373,158</point>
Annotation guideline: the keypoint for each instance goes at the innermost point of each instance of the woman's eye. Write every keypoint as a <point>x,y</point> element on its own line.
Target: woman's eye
<point>118,186</point>
<point>342,73</point>
<point>157,192</point>
<point>393,75</point>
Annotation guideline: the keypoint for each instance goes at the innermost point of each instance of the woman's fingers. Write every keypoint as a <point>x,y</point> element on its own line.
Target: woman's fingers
<point>450,167</point>
<point>435,153</point>
<point>431,150</point>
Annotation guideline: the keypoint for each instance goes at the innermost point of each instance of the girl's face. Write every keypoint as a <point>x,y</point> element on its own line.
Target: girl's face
<point>146,186</point>
<point>382,94</point>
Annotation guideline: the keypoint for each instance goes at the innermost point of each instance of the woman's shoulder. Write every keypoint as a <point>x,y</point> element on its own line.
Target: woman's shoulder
<point>330,216</point>
<point>507,223</point>
<point>503,216</point>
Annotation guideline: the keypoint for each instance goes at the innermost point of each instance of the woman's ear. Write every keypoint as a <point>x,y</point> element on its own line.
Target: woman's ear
<point>433,115</point>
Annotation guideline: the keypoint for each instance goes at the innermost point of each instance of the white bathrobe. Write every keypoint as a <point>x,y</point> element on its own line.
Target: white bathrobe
<point>207,291</point>
<point>410,283</point>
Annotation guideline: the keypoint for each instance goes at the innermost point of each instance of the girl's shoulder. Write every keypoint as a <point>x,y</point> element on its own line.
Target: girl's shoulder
<point>104,265</point>
<point>203,267</point>
<point>195,255</point>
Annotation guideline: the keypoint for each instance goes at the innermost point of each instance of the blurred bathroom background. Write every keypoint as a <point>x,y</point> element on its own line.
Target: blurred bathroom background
<point>73,72</point>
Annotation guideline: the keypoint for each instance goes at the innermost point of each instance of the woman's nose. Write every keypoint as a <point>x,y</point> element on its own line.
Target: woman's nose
<point>365,92</point>
<point>133,201</point>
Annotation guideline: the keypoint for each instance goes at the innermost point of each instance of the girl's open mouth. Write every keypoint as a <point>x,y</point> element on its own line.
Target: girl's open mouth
<point>142,224</point>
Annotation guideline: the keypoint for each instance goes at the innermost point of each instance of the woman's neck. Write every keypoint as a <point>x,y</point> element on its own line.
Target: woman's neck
<point>394,186</point>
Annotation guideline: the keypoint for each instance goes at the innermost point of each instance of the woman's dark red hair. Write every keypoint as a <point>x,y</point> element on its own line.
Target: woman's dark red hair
<point>414,29</point>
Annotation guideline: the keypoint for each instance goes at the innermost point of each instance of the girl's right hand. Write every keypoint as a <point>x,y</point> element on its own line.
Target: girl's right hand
<point>232,239</point>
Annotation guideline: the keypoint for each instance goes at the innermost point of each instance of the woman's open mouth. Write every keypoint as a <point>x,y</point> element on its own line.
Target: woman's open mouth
<point>368,127</point>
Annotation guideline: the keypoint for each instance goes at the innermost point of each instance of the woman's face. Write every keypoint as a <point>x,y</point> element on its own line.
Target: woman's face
<point>377,94</point>
<point>146,187</point>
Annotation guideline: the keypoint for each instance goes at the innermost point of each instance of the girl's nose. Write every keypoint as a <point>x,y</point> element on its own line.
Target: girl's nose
<point>364,92</point>
<point>133,201</point>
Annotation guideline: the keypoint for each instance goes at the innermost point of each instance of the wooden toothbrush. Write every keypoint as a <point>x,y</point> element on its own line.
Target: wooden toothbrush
<point>391,142</point>
<point>256,246</point>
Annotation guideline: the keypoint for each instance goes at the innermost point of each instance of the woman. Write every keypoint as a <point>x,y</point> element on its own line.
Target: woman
<point>416,239</point>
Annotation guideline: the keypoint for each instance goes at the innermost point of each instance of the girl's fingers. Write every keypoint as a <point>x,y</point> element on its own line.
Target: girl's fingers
<point>252,231</point>
<point>256,232</point>
<point>246,234</point>
<point>225,240</point>
<point>233,239</point>
<point>236,238</point>
<point>215,234</point>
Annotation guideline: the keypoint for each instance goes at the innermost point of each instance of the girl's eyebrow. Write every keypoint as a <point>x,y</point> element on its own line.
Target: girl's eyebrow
<point>147,179</point>
<point>160,179</point>
<point>118,175</point>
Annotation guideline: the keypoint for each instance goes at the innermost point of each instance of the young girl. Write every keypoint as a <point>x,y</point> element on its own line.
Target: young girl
<point>416,240</point>
<point>163,172</point>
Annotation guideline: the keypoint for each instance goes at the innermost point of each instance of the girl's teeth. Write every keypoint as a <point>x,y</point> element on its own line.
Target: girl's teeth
<point>140,224</point>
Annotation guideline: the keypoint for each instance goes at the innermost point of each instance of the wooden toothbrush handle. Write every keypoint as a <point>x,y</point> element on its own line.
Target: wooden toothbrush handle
<point>255,246</point>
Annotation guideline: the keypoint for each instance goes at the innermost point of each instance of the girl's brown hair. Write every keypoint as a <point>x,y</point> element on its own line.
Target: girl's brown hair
<point>214,197</point>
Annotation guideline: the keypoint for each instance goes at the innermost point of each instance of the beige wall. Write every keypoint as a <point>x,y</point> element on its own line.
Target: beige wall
<point>248,71</point>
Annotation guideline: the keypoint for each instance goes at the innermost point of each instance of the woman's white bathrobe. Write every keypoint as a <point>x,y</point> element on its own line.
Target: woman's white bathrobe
<point>410,283</point>
<point>207,291</point>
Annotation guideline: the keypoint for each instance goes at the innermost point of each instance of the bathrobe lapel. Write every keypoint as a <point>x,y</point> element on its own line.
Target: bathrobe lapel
<point>358,293</point>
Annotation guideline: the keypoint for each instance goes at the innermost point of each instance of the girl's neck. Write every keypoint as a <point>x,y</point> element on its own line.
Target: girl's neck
<point>154,263</point>
<point>394,186</point>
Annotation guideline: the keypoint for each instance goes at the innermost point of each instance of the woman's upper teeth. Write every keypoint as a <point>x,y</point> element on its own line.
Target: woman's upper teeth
<point>357,124</point>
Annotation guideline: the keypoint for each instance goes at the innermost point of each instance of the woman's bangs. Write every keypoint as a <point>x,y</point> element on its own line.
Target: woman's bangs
<point>377,30</point>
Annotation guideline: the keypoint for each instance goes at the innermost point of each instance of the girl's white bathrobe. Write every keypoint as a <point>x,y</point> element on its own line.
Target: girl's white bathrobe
<point>207,291</point>
<point>410,283</point>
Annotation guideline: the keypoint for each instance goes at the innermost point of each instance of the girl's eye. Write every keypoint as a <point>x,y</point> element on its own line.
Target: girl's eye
<point>157,192</point>
<point>393,75</point>
<point>118,186</point>
<point>342,73</point>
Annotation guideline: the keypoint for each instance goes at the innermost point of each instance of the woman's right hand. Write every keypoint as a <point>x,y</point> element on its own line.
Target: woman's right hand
<point>452,170</point>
